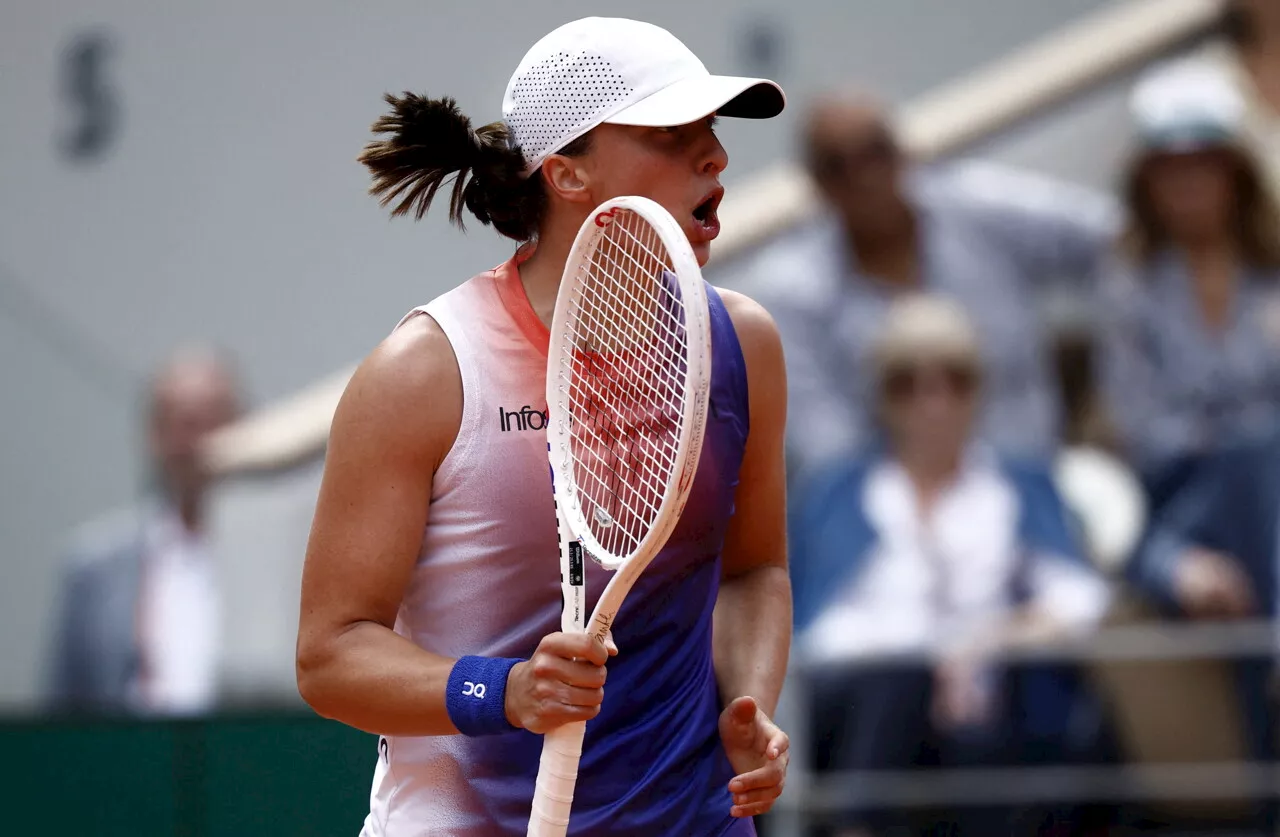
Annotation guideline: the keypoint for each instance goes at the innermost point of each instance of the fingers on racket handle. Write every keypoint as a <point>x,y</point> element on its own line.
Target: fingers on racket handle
<point>557,776</point>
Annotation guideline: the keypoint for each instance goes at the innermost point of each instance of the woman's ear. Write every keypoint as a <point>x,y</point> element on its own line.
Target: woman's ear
<point>567,177</point>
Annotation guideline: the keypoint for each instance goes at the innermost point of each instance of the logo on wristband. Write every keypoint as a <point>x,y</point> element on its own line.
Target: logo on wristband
<point>475,690</point>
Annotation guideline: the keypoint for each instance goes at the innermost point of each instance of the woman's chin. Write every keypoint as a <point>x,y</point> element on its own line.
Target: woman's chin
<point>702,252</point>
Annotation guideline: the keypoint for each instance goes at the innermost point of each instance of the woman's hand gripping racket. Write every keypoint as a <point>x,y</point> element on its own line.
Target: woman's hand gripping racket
<point>628,377</point>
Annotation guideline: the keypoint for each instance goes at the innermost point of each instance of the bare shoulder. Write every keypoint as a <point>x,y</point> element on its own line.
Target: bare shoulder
<point>757,332</point>
<point>407,393</point>
<point>413,362</point>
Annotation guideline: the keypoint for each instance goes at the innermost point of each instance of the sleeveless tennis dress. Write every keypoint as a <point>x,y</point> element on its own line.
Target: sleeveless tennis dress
<point>487,583</point>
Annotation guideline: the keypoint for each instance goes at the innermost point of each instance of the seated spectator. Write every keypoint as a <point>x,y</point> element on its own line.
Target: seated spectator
<point>1212,556</point>
<point>139,625</point>
<point>931,545</point>
<point>984,236</point>
<point>1191,347</point>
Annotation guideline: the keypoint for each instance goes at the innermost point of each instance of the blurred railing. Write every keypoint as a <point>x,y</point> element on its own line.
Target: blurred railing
<point>274,774</point>
<point>1113,659</point>
<point>1022,85</point>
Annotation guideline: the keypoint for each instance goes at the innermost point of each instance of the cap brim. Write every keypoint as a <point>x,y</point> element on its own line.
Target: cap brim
<point>695,98</point>
<point>1186,139</point>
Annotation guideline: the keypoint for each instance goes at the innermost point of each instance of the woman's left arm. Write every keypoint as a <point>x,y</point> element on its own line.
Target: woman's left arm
<point>752,634</point>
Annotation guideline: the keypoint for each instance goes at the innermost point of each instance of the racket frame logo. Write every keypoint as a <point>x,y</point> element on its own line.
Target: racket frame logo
<point>606,624</point>
<point>604,219</point>
<point>577,568</point>
<point>699,427</point>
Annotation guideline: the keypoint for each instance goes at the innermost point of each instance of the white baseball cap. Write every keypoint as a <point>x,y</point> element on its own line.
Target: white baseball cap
<point>624,72</point>
<point>1187,106</point>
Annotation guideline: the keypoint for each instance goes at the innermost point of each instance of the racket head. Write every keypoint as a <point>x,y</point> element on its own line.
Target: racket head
<point>628,380</point>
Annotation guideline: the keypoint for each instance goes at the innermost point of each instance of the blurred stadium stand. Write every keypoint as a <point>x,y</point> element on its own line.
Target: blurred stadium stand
<point>224,202</point>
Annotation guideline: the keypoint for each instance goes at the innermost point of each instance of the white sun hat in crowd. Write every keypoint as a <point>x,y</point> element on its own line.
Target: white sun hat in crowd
<point>1187,106</point>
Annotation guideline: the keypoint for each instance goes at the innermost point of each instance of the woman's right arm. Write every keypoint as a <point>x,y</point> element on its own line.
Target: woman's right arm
<point>394,425</point>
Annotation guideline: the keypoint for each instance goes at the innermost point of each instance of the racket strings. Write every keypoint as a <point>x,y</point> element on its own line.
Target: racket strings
<point>626,297</point>
<point>612,448</point>
<point>646,352</point>
<point>647,395</point>
<point>658,333</point>
<point>622,376</point>
<point>670,337</point>
<point>649,343</point>
<point>615,449</point>
<point>609,367</point>
<point>673,329</point>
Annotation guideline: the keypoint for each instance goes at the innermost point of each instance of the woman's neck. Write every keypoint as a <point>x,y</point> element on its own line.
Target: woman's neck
<point>929,475</point>
<point>891,255</point>
<point>187,507</point>
<point>1213,268</point>
<point>541,273</point>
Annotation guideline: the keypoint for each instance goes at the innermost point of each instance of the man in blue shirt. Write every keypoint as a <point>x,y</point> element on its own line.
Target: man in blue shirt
<point>987,237</point>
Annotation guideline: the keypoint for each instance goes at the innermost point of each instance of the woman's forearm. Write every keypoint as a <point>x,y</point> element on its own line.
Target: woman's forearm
<point>752,635</point>
<point>371,678</point>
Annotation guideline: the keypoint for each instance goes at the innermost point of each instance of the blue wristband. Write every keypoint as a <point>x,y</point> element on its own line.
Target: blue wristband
<point>477,693</point>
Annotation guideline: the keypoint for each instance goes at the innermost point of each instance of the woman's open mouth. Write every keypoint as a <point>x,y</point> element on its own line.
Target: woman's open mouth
<point>704,214</point>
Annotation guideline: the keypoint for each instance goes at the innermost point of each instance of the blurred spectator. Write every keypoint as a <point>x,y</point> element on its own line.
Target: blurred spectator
<point>932,544</point>
<point>1212,556</point>
<point>1249,59</point>
<point>1211,553</point>
<point>139,626</point>
<point>1191,354</point>
<point>985,236</point>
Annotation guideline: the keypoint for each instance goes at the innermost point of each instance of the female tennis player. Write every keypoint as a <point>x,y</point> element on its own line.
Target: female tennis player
<point>431,595</point>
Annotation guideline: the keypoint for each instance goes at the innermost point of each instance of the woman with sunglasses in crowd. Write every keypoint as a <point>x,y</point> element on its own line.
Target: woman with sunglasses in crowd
<point>932,542</point>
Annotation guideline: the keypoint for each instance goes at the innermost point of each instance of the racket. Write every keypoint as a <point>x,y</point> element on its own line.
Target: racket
<point>628,378</point>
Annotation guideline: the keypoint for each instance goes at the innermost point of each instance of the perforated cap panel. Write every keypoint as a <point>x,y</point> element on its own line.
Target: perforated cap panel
<point>600,69</point>
<point>561,98</point>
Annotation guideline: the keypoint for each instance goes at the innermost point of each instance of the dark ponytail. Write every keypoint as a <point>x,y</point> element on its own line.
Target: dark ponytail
<point>431,140</point>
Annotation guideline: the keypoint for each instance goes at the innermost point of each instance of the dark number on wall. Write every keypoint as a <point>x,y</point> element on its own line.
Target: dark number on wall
<point>88,92</point>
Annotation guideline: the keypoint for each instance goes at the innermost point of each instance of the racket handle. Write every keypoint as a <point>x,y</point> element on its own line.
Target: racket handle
<point>557,776</point>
